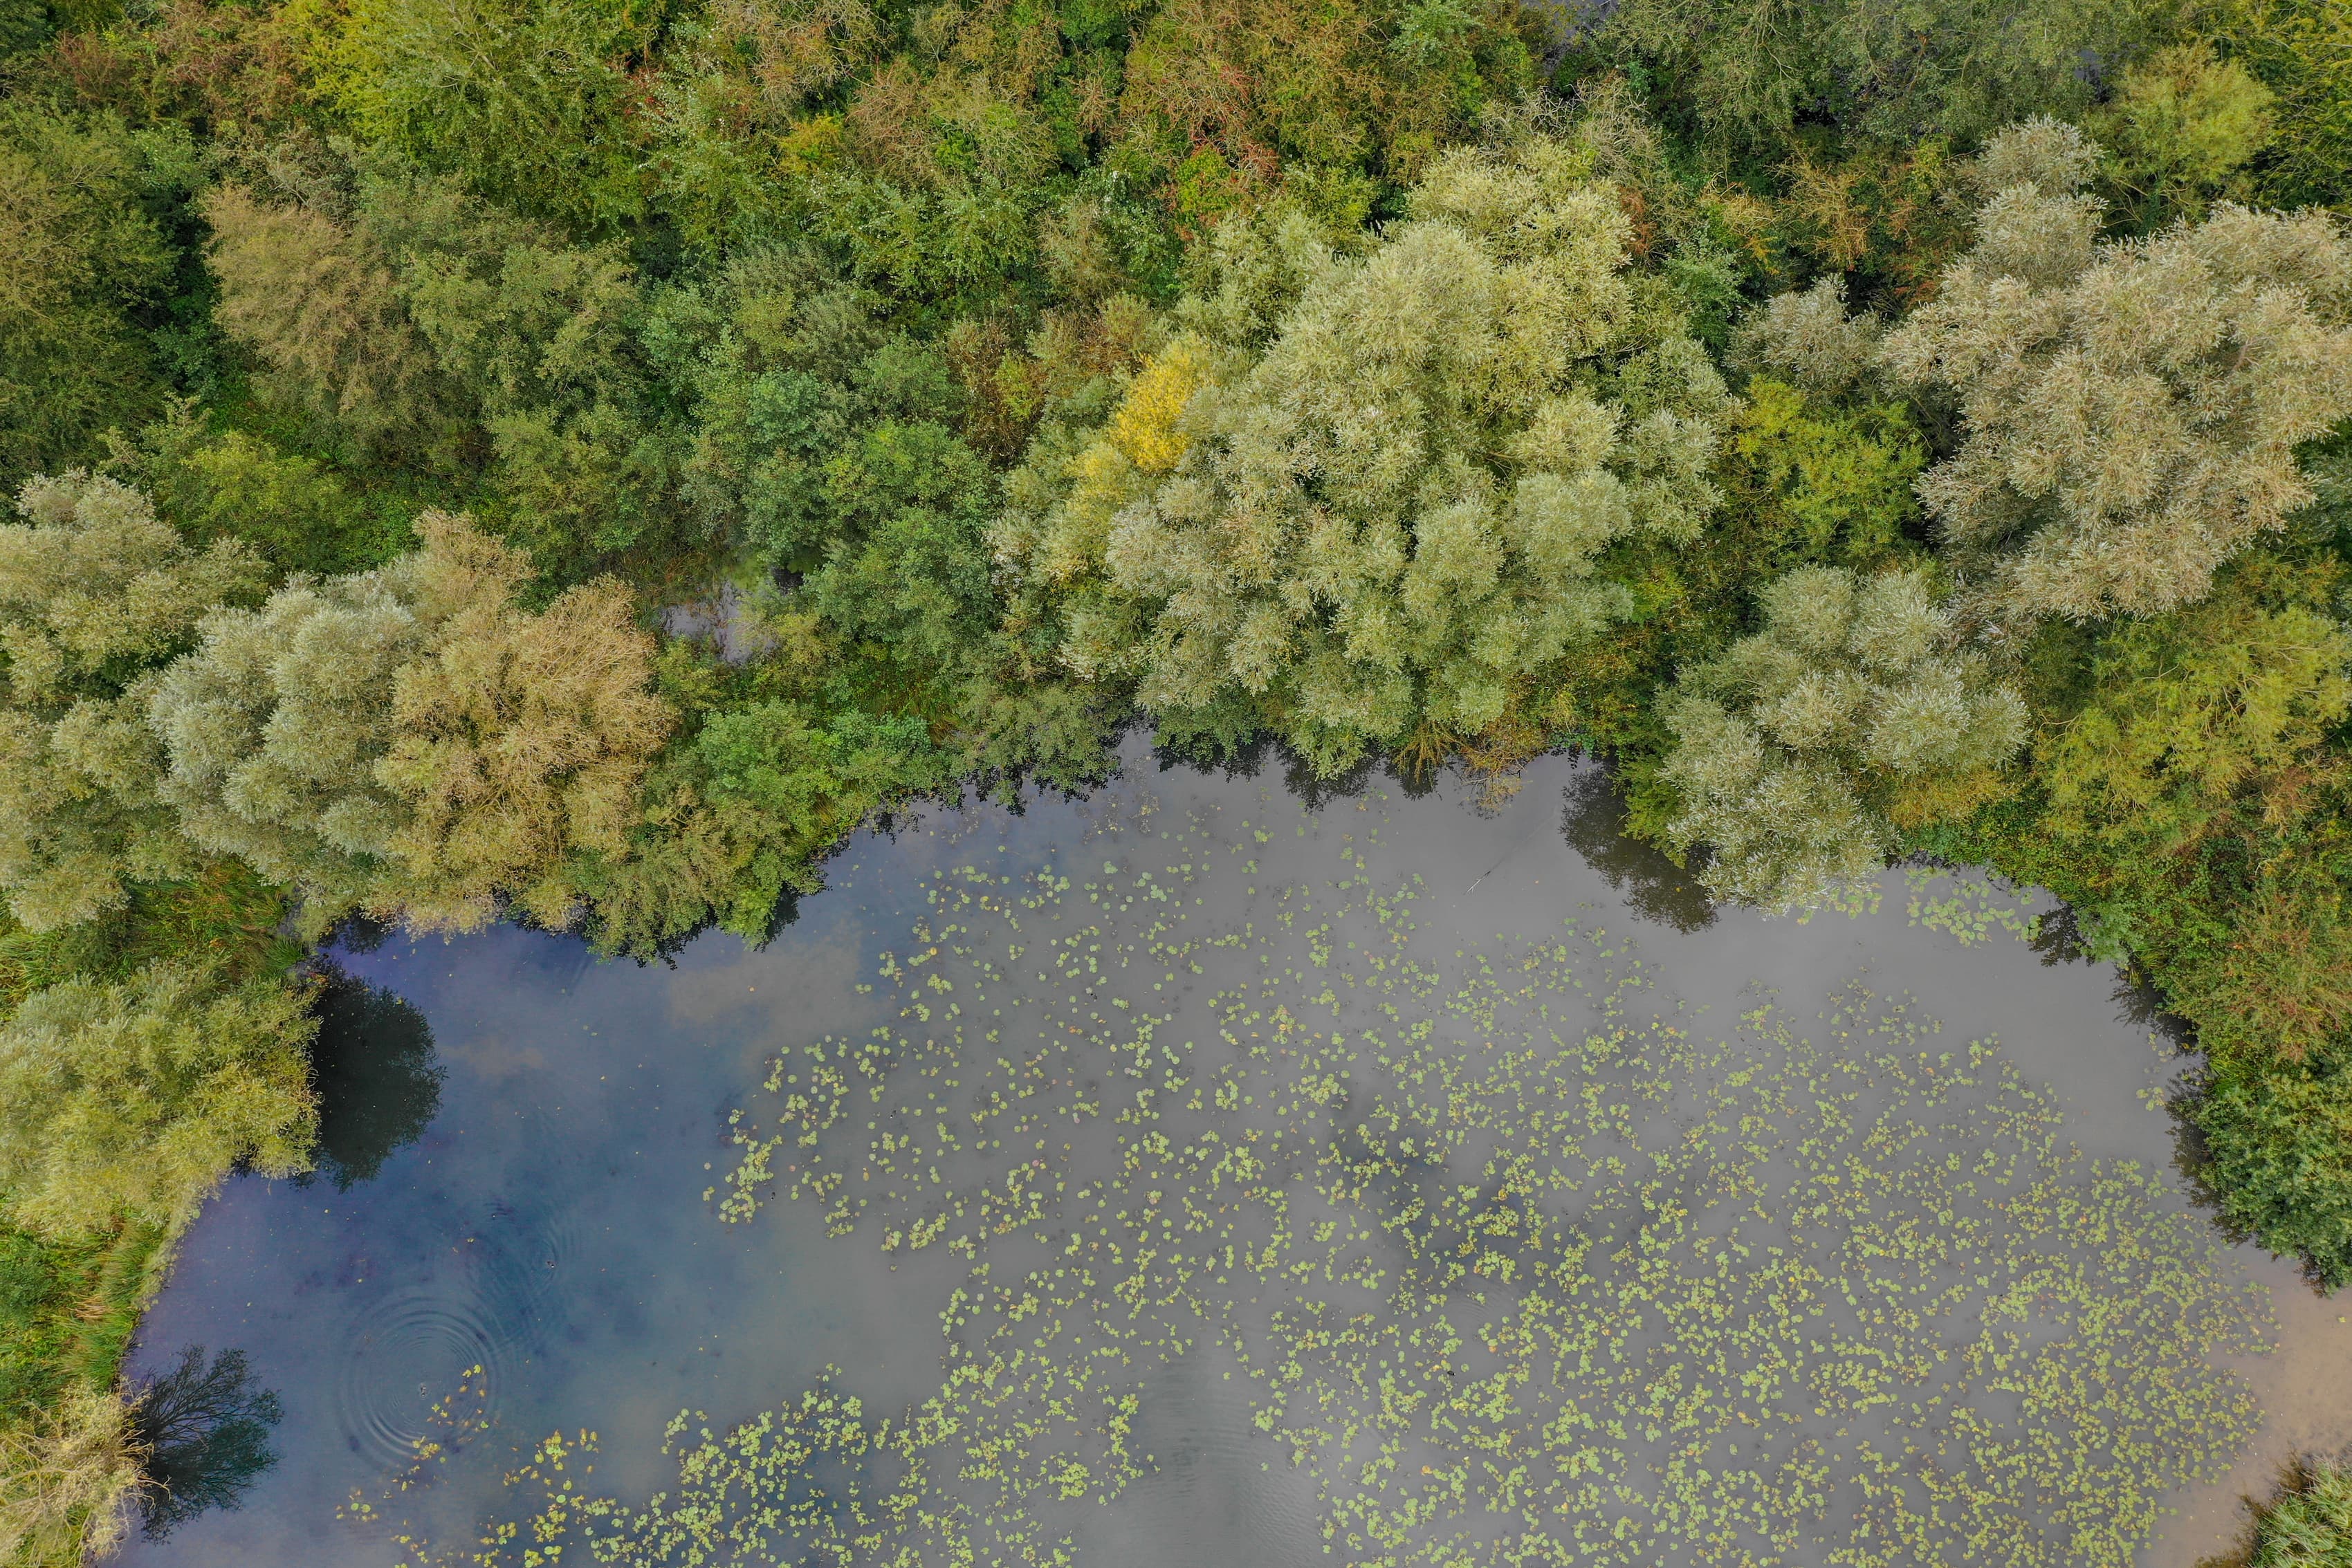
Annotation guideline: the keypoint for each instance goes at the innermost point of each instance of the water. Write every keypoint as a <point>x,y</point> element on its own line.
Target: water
<point>533,1219</point>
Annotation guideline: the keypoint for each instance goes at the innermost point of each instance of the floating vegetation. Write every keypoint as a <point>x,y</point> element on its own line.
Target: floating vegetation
<point>1516,1263</point>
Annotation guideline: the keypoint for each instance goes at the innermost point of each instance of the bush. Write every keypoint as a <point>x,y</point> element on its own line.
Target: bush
<point>2278,1139</point>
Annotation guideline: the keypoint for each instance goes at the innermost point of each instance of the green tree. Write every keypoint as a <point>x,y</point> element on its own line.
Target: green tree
<point>523,100</point>
<point>2205,719</point>
<point>299,513</point>
<point>2132,411</point>
<point>2301,50</point>
<point>2181,131</point>
<point>84,256</point>
<point>2278,1152</point>
<point>410,742</point>
<point>1799,753</point>
<point>137,1097</point>
<point>435,328</point>
<point>95,592</point>
<point>1744,73</point>
<point>1389,516</point>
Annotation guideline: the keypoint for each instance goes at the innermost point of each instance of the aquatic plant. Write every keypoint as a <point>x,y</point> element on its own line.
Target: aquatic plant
<point>1516,1263</point>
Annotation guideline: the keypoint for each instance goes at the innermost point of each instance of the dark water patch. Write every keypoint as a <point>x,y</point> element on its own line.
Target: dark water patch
<point>377,1080</point>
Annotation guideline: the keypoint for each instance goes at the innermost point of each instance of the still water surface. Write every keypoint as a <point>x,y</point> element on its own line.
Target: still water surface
<point>1252,1153</point>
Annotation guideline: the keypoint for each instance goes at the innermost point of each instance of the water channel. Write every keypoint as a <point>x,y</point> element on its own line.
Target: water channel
<point>1205,1173</point>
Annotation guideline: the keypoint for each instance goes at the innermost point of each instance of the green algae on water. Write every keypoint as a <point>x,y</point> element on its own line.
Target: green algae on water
<point>1516,1264</point>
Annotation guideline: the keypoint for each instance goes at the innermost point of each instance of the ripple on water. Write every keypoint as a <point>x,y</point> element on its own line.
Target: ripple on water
<point>406,1357</point>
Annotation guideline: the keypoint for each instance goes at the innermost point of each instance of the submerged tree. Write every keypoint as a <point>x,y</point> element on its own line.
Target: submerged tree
<point>2132,409</point>
<point>1383,512</point>
<point>137,1097</point>
<point>1799,750</point>
<point>95,591</point>
<point>410,741</point>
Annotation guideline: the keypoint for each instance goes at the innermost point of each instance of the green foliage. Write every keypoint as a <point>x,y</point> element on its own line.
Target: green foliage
<point>299,513</point>
<point>2132,411</point>
<point>1388,517</point>
<point>84,257</point>
<point>1799,751</point>
<point>1836,486</point>
<point>2180,131</point>
<point>524,100</point>
<point>2278,1152</point>
<point>2309,1523</point>
<point>95,592</point>
<point>437,327</point>
<point>2302,51</point>
<point>137,1097</point>
<point>1744,73</point>
<point>2199,719</point>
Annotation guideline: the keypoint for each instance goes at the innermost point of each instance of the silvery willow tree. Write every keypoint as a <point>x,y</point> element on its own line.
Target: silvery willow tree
<point>1799,750</point>
<point>1359,496</point>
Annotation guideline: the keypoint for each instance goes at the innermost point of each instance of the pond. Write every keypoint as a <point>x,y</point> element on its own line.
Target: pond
<point>1207,1171</point>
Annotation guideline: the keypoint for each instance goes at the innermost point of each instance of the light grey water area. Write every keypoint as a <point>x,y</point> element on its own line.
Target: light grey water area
<point>1199,1174</point>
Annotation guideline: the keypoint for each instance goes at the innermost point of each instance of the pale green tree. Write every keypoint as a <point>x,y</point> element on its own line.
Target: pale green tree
<point>137,1097</point>
<point>1364,495</point>
<point>1800,751</point>
<point>2131,408</point>
<point>1809,338</point>
<point>409,740</point>
<point>95,592</point>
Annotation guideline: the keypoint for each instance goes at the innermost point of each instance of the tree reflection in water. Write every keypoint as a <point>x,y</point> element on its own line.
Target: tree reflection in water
<point>204,1433</point>
<point>378,1081</point>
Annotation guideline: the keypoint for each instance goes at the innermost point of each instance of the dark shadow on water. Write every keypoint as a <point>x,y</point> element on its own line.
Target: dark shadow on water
<point>377,1079</point>
<point>2058,937</point>
<point>1592,820</point>
<point>204,1432</point>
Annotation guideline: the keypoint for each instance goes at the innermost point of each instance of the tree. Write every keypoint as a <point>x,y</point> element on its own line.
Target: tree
<point>2181,129</point>
<point>2301,50</point>
<point>2206,719</point>
<point>2278,1153</point>
<point>525,101</point>
<point>1800,751</point>
<point>95,592</point>
<point>319,304</point>
<point>2132,409</point>
<point>1389,515</point>
<point>1746,73</point>
<point>137,1097</point>
<point>84,255</point>
<point>432,327</point>
<point>409,741</point>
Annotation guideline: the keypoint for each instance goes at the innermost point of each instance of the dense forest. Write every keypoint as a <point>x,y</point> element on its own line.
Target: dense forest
<point>572,461</point>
